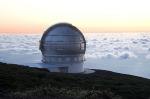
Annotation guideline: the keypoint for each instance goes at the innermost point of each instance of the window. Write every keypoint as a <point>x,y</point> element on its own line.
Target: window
<point>83,58</point>
<point>80,58</point>
<point>82,46</point>
<point>75,59</point>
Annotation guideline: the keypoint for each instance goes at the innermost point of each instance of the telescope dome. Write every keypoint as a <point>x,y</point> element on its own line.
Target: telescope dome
<point>62,43</point>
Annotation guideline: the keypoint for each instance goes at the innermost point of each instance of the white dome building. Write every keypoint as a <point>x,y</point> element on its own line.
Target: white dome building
<point>63,47</point>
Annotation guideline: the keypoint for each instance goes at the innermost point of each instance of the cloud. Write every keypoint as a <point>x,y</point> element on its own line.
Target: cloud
<point>126,55</point>
<point>146,40</point>
<point>134,42</point>
<point>105,55</point>
<point>148,56</point>
<point>122,50</point>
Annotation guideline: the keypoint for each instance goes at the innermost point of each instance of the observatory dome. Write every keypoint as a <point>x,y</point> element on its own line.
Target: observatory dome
<point>62,44</point>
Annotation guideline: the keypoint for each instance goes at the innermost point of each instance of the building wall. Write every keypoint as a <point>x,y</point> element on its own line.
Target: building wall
<point>67,68</point>
<point>63,59</point>
<point>53,69</point>
<point>76,68</point>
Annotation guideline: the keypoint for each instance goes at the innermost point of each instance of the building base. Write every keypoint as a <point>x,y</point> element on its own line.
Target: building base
<point>66,68</point>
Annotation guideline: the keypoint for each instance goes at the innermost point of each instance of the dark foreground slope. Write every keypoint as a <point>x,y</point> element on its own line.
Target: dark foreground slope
<point>26,82</point>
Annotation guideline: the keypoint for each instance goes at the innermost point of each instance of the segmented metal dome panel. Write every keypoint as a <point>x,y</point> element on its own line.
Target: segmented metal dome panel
<point>62,43</point>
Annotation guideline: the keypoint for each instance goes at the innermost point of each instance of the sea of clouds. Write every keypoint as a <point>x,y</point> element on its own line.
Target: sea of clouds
<point>127,53</point>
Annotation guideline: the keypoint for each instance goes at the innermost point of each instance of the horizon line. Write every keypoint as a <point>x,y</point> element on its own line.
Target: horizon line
<point>82,32</point>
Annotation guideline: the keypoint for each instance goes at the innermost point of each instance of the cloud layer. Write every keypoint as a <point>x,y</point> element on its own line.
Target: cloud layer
<point>120,52</point>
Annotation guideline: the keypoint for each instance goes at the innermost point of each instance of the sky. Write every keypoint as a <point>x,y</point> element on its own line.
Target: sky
<point>90,16</point>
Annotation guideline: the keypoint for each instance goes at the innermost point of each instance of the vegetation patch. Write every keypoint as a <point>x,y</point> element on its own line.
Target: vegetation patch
<point>28,82</point>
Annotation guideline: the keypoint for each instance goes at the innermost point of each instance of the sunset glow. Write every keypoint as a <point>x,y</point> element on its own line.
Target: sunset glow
<point>90,16</point>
